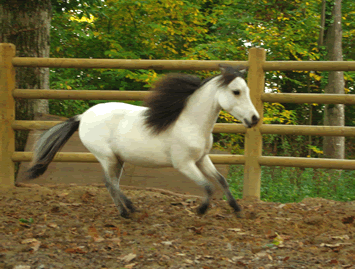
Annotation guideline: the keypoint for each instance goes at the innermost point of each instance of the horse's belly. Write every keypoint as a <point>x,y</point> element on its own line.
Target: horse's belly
<point>146,161</point>
<point>133,143</point>
<point>140,153</point>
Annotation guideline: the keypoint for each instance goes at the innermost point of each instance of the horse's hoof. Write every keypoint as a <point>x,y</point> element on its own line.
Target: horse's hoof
<point>201,210</point>
<point>132,208</point>
<point>125,214</point>
<point>233,203</point>
<point>135,210</point>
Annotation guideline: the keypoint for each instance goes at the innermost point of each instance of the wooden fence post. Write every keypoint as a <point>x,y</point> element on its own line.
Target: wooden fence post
<point>253,137</point>
<point>7,115</point>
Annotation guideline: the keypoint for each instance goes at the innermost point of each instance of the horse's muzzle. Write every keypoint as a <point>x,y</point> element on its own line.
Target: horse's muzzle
<point>254,121</point>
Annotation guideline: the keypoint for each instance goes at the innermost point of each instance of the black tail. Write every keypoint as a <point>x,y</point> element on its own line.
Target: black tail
<point>49,144</point>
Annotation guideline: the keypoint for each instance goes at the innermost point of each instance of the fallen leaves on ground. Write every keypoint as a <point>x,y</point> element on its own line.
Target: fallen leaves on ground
<point>79,227</point>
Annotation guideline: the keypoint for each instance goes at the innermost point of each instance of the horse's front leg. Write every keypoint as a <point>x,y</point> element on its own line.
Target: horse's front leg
<point>190,170</point>
<point>210,171</point>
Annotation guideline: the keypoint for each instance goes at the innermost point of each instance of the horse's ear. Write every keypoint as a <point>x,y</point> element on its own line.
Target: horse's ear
<point>226,69</point>
<point>243,70</point>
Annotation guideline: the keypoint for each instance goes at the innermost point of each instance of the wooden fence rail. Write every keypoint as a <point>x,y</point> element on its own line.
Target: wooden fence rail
<point>299,98</point>
<point>252,160</point>
<point>178,64</point>
<point>230,128</point>
<point>216,158</point>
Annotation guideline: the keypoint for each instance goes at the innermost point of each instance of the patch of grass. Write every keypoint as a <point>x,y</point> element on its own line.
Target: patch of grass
<point>289,184</point>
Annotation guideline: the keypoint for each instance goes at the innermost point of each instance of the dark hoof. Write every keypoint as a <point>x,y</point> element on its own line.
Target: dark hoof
<point>202,209</point>
<point>134,210</point>
<point>131,208</point>
<point>125,214</point>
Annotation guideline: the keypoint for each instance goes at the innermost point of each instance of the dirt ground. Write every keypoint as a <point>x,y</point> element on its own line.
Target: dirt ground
<point>79,227</point>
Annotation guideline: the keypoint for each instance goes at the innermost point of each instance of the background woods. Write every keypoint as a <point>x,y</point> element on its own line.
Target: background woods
<point>207,30</point>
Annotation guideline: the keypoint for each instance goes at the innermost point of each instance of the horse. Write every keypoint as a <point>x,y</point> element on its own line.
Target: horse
<point>173,129</point>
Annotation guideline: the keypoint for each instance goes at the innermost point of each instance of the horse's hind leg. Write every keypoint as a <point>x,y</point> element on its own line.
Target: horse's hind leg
<point>210,171</point>
<point>113,171</point>
<point>128,203</point>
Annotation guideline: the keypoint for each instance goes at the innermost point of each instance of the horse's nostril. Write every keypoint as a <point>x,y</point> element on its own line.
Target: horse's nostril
<point>254,119</point>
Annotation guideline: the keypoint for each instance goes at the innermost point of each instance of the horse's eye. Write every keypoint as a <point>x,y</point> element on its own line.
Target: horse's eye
<point>236,92</point>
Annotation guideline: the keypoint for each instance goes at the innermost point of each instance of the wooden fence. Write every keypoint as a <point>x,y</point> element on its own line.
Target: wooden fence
<point>252,159</point>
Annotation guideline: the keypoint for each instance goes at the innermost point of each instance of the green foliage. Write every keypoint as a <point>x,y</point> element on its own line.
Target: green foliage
<point>201,30</point>
<point>287,185</point>
<point>230,142</point>
<point>85,6</point>
<point>276,113</point>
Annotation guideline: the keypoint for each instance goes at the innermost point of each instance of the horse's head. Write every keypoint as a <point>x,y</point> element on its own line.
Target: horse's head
<point>234,95</point>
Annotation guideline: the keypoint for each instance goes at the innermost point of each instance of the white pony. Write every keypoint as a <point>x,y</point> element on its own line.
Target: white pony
<point>174,130</point>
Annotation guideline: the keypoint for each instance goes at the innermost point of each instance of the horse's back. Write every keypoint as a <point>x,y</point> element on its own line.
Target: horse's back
<point>118,129</point>
<point>98,123</point>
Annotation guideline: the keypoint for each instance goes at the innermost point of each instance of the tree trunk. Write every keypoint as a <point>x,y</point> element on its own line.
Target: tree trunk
<point>334,147</point>
<point>26,24</point>
<point>322,24</point>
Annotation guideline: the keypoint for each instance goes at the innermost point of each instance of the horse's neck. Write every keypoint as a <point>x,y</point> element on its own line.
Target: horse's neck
<point>202,108</point>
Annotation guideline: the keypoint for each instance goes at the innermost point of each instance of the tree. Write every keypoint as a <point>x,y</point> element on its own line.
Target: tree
<point>27,25</point>
<point>334,147</point>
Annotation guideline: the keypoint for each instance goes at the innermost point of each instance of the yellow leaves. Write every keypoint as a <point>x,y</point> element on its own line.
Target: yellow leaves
<point>276,113</point>
<point>267,119</point>
<point>83,19</point>
<point>170,48</point>
<point>213,20</point>
<point>315,76</point>
<point>281,18</point>
<point>315,49</point>
<point>226,117</point>
<point>191,39</point>
<point>348,77</point>
<point>69,88</point>
<point>147,77</point>
<point>315,149</point>
<point>171,30</point>
<point>278,240</point>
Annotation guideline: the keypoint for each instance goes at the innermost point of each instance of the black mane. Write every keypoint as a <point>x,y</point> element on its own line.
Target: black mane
<point>170,95</point>
<point>168,99</point>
